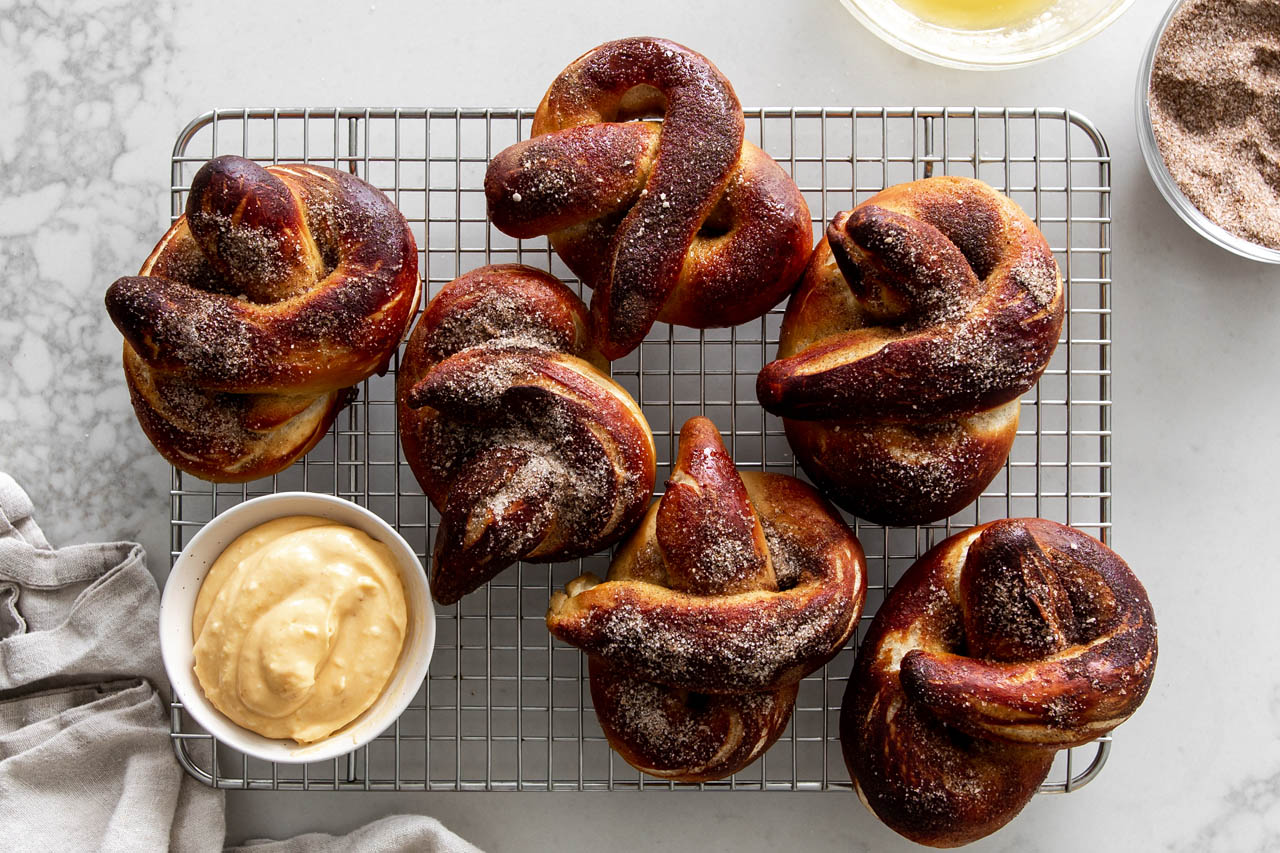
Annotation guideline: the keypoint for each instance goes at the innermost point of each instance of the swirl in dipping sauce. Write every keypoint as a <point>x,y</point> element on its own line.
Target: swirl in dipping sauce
<point>298,627</point>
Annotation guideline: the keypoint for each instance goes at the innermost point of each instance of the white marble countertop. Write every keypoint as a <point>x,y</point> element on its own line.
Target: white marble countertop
<point>95,90</point>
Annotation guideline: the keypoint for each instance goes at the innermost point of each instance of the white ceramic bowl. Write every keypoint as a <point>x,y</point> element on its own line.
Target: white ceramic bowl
<point>179,599</point>
<point>1059,28</point>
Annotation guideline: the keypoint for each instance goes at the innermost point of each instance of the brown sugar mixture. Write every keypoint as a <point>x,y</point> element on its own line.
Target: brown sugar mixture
<point>1215,110</point>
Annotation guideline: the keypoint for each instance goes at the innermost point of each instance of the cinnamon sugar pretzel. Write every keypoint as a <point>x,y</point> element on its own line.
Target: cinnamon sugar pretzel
<point>1000,646</point>
<point>923,316</point>
<point>682,221</point>
<point>279,289</point>
<point>515,432</point>
<point>733,588</point>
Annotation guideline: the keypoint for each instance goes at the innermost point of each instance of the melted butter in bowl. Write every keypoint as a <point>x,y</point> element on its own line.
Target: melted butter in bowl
<point>298,627</point>
<point>977,14</point>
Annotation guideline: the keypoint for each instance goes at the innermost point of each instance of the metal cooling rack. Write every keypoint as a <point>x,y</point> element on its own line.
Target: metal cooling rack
<point>507,708</point>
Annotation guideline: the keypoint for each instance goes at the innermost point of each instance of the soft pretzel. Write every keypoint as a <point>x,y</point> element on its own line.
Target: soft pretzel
<point>528,450</point>
<point>923,316</point>
<point>733,588</point>
<point>681,221</point>
<point>279,289</point>
<point>1000,646</point>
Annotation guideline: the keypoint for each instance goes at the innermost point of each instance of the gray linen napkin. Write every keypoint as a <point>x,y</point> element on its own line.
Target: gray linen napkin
<point>85,760</point>
<point>396,834</point>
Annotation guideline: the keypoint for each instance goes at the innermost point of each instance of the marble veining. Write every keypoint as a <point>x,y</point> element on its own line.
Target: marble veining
<point>80,206</point>
<point>92,93</point>
<point>1249,820</point>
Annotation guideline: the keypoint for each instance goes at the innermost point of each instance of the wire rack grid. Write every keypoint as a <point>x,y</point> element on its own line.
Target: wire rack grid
<point>504,706</point>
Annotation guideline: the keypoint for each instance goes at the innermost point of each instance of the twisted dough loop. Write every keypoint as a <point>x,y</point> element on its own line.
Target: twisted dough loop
<point>1000,646</point>
<point>681,221</point>
<point>683,735</point>
<point>923,316</point>
<point>280,288</point>
<point>738,641</point>
<point>702,576</point>
<point>526,448</point>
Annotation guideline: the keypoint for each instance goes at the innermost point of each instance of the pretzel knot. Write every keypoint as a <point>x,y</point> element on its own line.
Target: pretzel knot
<point>733,588</point>
<point>279,289</point>
<point>1000,646</point>
<point>923,316</point>
<point>681,221</point>
<point>528,450</point>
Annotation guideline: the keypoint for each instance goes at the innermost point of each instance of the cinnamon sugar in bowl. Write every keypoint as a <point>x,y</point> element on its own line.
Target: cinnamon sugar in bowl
<point>1208,107</point>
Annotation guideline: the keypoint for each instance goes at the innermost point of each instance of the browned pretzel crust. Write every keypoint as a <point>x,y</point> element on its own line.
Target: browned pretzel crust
<point>732,589</point>
<point>923,316</point>
<point>756,640</point>
<point>1000,646</point>
<point>682,735</point>
<point>526,448</point>
<point>280,288</point>
<point>681,221</point>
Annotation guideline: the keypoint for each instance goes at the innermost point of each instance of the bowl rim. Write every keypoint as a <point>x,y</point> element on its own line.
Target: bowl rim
<point>1030,57</point>
<point>187,575</point>
<point>1163,178</point>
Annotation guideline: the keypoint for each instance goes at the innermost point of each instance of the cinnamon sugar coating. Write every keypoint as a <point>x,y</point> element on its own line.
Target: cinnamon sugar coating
<point>681,221</point>
<point>528,450</point>
<point>923,316</point>
<point>682,735</point>
<point>277,290</point>
<point>1000,646</point>
<point>732,589</point>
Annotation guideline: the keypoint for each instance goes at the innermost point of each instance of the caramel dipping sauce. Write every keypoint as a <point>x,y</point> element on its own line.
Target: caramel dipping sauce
<point>298,627</point>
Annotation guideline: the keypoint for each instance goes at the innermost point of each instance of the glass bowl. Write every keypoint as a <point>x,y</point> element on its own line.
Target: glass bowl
<point>1207,228</point>
<point>1062,25</point>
